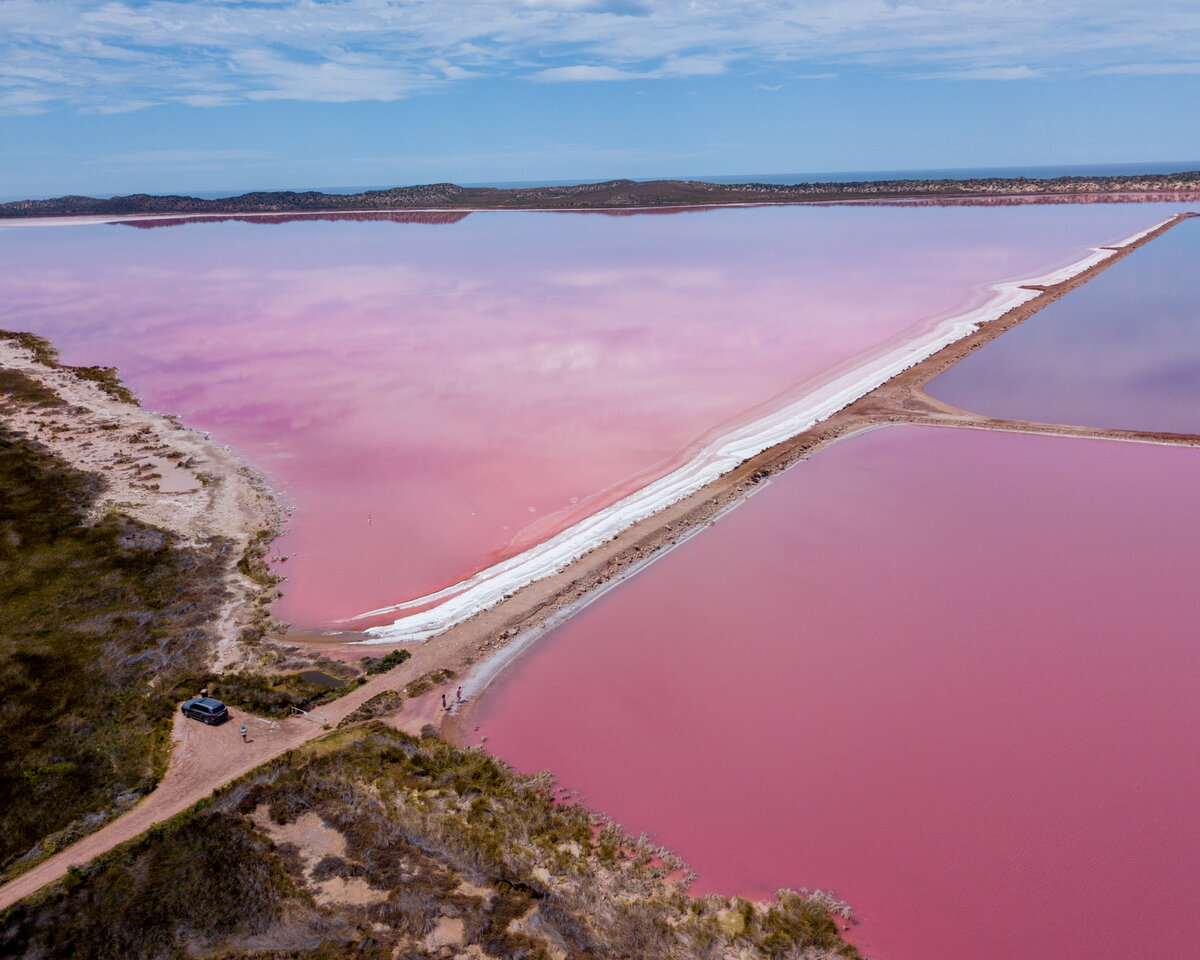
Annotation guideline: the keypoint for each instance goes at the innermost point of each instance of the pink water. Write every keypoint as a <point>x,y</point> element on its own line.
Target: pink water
<point>950,674</point>
<point>433,397</point>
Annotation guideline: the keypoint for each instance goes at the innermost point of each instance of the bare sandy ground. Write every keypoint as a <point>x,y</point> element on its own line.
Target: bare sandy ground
<point>205,758</point>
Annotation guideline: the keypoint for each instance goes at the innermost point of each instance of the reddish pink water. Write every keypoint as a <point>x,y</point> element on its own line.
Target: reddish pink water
<point>474,386</point>
<point>950,674</point>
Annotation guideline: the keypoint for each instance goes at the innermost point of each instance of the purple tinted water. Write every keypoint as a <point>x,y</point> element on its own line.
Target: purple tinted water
<point>1122,351</point>
<point>950,674</point>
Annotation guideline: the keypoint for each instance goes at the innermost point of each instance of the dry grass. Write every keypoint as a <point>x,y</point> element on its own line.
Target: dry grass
<point>381,705</point>
<point>436,833</point>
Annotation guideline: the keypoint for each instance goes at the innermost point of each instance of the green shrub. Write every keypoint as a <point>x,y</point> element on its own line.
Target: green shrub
<point>384,664</point>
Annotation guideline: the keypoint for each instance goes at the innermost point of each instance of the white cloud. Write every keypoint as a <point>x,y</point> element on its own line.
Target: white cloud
<point>672,67</point>
<point>1149,69</point>
<point>982,73</point>
<point>118,54</point>
<point>582,72</point>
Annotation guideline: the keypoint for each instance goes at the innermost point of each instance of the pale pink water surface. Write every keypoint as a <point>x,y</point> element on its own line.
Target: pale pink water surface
<point>433,397</point>
<point>952,675</point>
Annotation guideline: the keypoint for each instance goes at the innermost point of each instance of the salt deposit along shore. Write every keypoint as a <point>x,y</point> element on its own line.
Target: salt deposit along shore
<point>437,612</point>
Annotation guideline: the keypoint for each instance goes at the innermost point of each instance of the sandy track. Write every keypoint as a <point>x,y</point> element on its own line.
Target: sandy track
<point>206,758</point>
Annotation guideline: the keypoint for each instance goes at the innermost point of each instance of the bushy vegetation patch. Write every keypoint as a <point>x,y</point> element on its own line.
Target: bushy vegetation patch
<point>18,386</point>
<point>253,563</point>
<point>42,349</point>
<point>427,681</point>
<point>44,352</point>
<point>381,705</point>
<point>264,694</point>
<point>383,664</point>
<point>200,880</point>
<point>438,835</point>
<point>96,621</point>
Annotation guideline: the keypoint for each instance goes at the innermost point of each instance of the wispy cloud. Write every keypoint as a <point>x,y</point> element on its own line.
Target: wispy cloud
<point>1149,69</point>
<point>122,54</point>
<point>671,67</point>
<point>982,73</point>
<point>582,72</point>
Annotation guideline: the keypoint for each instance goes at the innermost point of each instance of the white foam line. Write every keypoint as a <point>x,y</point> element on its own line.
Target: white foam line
<point>488,587</point>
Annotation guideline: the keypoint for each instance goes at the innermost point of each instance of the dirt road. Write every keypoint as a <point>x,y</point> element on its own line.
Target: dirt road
<point>205,758</point>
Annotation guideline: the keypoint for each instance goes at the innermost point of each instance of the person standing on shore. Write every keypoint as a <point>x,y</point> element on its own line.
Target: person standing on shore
<point>458,696</point>
<point>244,740</point>
<point>444,707</point>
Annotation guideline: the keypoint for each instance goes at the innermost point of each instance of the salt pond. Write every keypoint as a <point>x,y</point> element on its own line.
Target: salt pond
<point>437,396</point>
<point>1121,352</point>
<point>950,674</point>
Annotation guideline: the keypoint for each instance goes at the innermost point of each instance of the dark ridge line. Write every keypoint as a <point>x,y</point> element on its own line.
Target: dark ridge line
<point>610,194</point>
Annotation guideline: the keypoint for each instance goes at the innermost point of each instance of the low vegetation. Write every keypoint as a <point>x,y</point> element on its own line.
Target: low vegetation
<point>264,694</point>
<point>427,681</point>
<point>374,665</point>
<point>45,353</point>
<point>372,843</point>
<point>21,388</point>
<point>96,621</point>
<point>254,567</point>
<point>381,705</point>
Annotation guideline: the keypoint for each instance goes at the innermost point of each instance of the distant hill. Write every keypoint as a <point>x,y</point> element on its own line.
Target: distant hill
<point>607,195</point>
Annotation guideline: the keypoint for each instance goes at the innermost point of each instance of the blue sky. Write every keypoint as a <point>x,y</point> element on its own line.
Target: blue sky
<point>118,96</point>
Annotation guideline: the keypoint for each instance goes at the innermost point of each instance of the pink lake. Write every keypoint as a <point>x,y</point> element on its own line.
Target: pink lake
<point>951,675</point>
<point>436,396</point>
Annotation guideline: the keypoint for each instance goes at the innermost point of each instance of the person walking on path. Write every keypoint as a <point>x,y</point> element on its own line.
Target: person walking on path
<point>244,740</point>
<point>444,707</point>
<point>458,696</point>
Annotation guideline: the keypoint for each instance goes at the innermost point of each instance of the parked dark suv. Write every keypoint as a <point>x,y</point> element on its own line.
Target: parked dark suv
<point>207,709</point>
